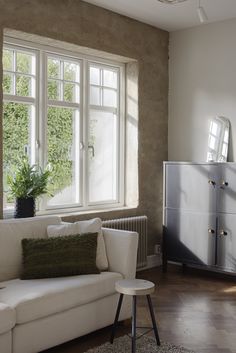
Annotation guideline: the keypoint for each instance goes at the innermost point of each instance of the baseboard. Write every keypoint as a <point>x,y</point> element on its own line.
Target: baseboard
<point>152,261</point>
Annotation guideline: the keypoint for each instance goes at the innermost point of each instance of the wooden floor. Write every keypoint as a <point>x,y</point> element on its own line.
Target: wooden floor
<point>194,309</point>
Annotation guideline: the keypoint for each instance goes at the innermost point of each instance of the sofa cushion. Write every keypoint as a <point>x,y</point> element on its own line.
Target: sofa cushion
<point>59,256</point>
<point>11,233</point>
<point>89,226</point>
<point>34,299</point>
<point>7,318</point>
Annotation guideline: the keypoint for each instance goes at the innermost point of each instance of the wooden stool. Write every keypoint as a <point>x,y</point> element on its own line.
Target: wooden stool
<point>135,287</point>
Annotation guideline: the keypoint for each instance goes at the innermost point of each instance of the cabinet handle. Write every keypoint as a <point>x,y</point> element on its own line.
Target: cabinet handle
<point>212,182</point>
<point>224,183</point>
<point>211,231</point>
<point>223,232</point>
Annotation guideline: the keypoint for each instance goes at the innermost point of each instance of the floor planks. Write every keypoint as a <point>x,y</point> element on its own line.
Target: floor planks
<point>195,309</point>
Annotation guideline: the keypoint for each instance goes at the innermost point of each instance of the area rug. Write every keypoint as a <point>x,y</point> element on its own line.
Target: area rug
<point>145,344</point>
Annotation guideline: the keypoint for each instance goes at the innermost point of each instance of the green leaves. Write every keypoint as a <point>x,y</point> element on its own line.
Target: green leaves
<point>60,125</point>
<point>16,131</point>
<point>28,181</point>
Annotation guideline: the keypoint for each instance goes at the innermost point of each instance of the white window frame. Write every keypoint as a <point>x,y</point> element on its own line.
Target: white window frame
<point>111,110</point>
<point>32,101</point>
<point>41,104</point>
<point>60,104</point>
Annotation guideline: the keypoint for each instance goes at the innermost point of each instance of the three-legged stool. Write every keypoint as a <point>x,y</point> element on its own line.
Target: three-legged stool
<point>135,287</point>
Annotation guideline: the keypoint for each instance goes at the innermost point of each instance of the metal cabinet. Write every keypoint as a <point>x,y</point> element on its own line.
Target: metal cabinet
<point>226,202</point>
<point>189,239</point>
<point>199,219</point>
<point>191,187</point>
<point>226,242</point>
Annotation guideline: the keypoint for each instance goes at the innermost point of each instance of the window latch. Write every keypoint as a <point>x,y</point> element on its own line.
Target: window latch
<point>92,149</point>
<point>81,145</point>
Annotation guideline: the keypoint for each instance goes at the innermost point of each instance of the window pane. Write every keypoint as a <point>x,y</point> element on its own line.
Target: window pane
<point>95,76</point>
<point>214,128</point>
<point>7,83</point>
<point>23,86</point>
<point>16,140</point>
<point>53,68</point>
<point>212,142</point>
<point>71,71</point>
<point>102,156</point>
<point>53,89</point>
<point>226,136</point>
<point>63,155</point>
<point>71,92</point>
<point>95,95</point>
<point>110,78</point>
<point>109,98</point>
<point>24,63</point>
<point>7,59</point>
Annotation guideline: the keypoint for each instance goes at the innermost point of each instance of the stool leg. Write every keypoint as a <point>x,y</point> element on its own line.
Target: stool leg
<point>153,319</point>
<point>116,318</point>
<point>134,324</point>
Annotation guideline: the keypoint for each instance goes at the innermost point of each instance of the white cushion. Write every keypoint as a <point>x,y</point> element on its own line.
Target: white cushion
<point>90,226</point>
<point>11,233</point>
<point>34,299</point>
<point>7,318</point>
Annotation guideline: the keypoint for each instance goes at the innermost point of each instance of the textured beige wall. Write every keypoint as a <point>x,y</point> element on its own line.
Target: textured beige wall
<point>77,22</point>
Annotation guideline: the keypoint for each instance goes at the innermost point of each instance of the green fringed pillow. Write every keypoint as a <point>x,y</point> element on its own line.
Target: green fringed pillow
<point>59,256</point>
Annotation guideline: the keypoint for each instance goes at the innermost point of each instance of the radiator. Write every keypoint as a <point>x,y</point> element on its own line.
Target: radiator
<point>136,224</point>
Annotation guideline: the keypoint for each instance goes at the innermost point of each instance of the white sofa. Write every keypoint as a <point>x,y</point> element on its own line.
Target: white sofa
<point>42,313</point>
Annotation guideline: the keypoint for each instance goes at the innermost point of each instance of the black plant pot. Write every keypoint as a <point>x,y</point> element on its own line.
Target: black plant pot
<point>24,207</point>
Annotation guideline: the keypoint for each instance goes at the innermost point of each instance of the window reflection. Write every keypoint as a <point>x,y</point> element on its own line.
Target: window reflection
<point>218,140</point>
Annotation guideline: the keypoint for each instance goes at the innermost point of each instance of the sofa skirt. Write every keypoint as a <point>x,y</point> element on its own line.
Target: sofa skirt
<point>6,342</point>
<point>38,335</point>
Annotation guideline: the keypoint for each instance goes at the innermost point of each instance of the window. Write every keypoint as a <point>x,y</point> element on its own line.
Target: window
<point>64,110</point>
<point>63,129</point>
<point>103,133</point>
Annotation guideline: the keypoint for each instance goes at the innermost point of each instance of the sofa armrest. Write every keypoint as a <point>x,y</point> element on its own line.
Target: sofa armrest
<point>121,248</point>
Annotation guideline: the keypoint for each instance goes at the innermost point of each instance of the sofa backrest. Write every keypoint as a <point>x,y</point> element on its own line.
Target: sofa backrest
<point>11,233</point>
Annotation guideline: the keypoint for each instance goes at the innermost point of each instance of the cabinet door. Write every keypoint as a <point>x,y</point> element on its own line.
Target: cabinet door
<point>190,237</point>
<point>226,242</point>
<point>227,188</point>
<point>191,187</point>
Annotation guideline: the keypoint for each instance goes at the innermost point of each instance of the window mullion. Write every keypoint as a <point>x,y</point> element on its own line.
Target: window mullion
<point>18,99</point>
<point>101,87</point>
<point>55,103</point>
<point>61,97</point>
<point>37,63</point>
<point>77,154</point>
<point>79,137</point>
<point>14,75</point>
<point>85,183</point>
<point>104,108</point>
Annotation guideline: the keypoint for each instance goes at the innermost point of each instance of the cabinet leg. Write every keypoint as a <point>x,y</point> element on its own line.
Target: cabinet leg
<point>164,265</point>
<point>164,250</point>
<point>184,268</point>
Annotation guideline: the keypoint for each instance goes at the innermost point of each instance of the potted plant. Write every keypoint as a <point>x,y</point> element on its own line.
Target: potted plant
<point>26,184</point>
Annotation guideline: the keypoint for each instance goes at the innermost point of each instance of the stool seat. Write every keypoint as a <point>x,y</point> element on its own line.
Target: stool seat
<point>135,287</point>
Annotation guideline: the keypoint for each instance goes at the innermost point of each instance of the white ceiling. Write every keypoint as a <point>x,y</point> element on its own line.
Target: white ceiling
<point>170,17</point>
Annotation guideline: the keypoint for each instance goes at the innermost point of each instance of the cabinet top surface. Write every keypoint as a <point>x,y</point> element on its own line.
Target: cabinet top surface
<point>198,163</point>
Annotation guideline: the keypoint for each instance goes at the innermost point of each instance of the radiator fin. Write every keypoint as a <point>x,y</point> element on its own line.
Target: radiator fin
<point>136,224</point>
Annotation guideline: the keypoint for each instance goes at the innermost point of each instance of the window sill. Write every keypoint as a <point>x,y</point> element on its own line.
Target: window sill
<point>69,213</point>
